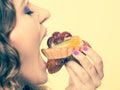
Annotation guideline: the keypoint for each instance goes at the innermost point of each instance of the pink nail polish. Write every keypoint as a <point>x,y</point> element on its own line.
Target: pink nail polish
<point>75,52</point>
<point>85,48</point>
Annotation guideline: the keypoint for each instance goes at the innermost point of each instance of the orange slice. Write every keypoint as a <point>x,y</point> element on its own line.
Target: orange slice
<point>73,41</point>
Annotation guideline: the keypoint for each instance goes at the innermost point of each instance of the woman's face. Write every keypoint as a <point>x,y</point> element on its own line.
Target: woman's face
<point>26,37</point>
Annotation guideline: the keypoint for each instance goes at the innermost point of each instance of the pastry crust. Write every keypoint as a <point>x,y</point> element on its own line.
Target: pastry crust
<point>57,53</point>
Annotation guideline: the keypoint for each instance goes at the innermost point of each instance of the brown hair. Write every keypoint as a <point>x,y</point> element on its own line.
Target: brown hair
<point>9,57</point>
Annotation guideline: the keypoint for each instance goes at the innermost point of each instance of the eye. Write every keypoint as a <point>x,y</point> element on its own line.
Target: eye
<point>27,11</point>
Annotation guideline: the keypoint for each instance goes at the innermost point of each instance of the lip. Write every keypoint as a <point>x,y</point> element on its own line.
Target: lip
<point>45,32</point>
<point>44,64</point>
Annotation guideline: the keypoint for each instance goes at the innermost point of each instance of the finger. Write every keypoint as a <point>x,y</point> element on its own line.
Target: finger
<point>74,80</point>
<point>80,73</point>
<point>97,60</point>
<point>88,66</point>
<point>86,43</point>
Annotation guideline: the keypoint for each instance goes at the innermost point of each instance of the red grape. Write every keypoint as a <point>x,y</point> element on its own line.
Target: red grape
<point>58,40</point>
<point>66,34</point>
<point>50,41</point>
<point>55,34</point>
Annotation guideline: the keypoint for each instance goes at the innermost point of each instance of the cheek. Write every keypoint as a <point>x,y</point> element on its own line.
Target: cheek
<point>33,33</point>
<point>31,29</point>
<point>26,35</point>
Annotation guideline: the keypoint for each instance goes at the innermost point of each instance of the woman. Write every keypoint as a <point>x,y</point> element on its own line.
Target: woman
<point>21,64</point>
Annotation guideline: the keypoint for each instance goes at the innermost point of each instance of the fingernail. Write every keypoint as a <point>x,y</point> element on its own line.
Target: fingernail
<point>75,52</point>
<point>86,43</point>
<point>85,48</point>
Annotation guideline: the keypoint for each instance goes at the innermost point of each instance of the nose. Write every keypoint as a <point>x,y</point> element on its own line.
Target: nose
<point>43,15</point>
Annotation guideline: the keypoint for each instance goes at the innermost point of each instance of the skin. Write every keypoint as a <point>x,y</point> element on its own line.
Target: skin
<point>89,74</point>
<point>27,37</point>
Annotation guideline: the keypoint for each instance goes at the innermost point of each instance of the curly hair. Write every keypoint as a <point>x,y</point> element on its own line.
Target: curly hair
<point>9,57</point>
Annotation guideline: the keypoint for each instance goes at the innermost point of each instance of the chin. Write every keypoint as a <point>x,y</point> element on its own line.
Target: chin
<point>38,79</point>
<point>44,79</point>
<point>41,80</point>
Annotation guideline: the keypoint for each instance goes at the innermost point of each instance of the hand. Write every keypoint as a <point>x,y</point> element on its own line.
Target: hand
<point>89,74</point>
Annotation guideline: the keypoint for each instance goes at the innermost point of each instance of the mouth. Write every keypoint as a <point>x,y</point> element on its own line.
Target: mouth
<point>41,45</point>
<point>43,60</point>
<point>45,33</point>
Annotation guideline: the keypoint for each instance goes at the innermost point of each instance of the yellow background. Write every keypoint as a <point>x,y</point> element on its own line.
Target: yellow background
<point>96,21</point>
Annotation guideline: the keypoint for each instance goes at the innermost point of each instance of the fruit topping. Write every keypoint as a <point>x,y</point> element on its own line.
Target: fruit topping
<point>57,38</point>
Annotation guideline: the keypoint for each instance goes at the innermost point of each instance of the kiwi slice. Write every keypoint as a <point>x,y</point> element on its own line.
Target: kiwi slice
<point>73,41</point>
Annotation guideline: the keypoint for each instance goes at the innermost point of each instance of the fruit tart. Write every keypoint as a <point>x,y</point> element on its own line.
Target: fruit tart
<point>59,51</point>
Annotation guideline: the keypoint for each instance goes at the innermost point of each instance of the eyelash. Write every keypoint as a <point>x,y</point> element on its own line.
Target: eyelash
<point>27,11</point>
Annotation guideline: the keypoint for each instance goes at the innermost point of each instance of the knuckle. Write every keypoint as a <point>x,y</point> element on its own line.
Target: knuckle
<point>102,76</point>
<point>86,77</point>
<point>100,63</point>
<point>90,86</point>
<point>97,84</point>
<point>92,69</point>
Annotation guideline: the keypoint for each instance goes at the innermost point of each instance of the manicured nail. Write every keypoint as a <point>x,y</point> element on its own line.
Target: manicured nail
<point>86,43</point>
<point>85,48</point>
<point>75,52</point>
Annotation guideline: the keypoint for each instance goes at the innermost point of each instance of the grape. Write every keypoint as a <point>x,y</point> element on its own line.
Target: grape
<point>66,34</point>
<point>50,41</point>
<point>55,34</point>
<point>58,40</point>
